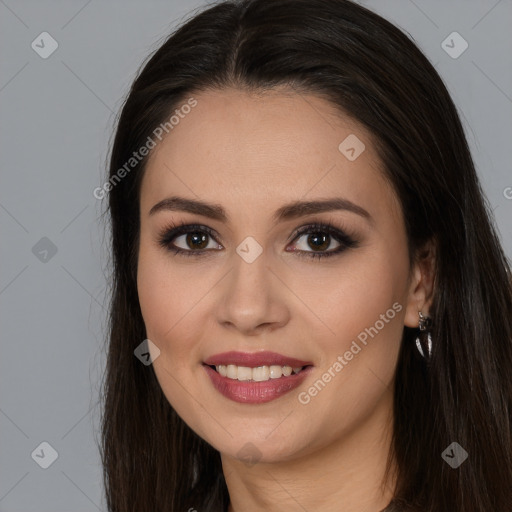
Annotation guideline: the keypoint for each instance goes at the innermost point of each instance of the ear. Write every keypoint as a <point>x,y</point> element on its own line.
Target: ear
<point>421,284</point>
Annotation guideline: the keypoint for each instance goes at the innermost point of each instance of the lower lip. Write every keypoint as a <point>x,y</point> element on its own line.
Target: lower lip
<point>250,392</point>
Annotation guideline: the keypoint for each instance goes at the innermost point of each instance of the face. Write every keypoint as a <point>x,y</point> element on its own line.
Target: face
<point>326,289</point>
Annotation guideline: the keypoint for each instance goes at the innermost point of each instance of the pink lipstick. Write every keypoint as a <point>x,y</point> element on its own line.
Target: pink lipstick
<point>257,377</point>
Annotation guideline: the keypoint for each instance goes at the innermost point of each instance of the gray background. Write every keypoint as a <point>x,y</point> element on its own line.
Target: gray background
<point>57,117</point>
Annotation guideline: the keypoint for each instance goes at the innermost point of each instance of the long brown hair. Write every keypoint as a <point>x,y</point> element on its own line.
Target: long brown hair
<point>374,73</point>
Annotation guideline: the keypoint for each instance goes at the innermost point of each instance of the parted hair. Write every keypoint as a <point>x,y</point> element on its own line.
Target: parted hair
<point>375,73</point>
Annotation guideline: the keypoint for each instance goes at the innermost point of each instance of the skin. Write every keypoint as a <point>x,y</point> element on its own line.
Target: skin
<point>252,154</point>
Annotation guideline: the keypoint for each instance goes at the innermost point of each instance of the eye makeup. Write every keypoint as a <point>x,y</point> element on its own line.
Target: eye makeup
<point>316,231</point>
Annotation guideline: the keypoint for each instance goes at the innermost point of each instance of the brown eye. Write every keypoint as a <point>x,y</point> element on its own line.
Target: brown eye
<point>318,241</point>
<point>195,240</point>
<point>189,240</point>
<point>320,238</point>
<point>198,240</point>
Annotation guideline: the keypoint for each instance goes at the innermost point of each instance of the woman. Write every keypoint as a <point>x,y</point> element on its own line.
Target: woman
<point>340,336</point>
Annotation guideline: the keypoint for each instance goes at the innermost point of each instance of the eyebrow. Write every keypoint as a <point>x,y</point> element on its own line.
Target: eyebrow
<point>287,212</point>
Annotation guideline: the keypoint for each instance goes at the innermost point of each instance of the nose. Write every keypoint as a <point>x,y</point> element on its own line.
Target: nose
<point>253,298</point>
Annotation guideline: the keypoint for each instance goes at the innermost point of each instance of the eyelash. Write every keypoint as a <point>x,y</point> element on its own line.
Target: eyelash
<point>172,231</point>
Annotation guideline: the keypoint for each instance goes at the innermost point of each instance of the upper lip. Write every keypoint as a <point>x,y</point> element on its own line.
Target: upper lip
<point>254,359</point>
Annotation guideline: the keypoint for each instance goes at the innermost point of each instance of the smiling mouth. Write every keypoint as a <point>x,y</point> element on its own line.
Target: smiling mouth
<point>256,374</point>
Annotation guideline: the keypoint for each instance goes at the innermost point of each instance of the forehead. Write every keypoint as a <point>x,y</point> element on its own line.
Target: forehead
<point>261,150</point>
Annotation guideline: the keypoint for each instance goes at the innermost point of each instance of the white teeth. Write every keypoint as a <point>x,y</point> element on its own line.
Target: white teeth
<point>259,374</point>
<point>275,372</point>
<point>244,373</point>
<point>232,371</point>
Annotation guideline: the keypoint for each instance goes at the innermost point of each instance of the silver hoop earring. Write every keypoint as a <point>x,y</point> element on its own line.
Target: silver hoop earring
<point>424,325</point>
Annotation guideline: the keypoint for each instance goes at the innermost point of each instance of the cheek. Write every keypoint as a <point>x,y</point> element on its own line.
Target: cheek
<point>157,304</point>
<point>162,294</point>
<point>348,298</point>
<point>174,300</point>
<point>361,303</point>
<point>167,309</point>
